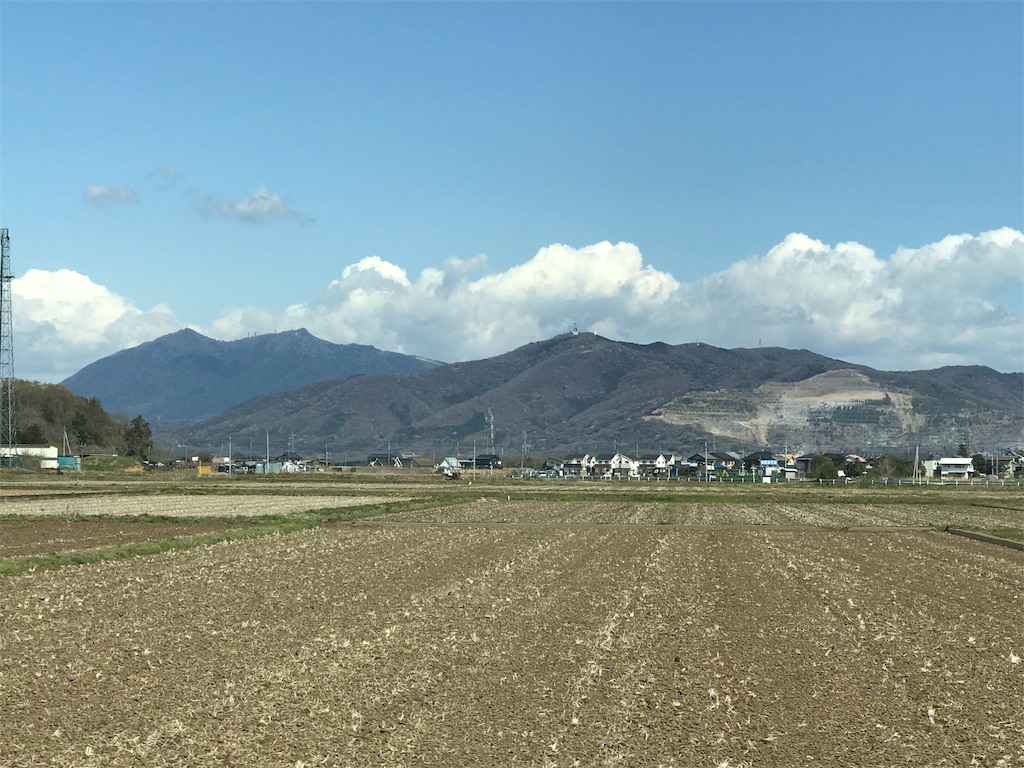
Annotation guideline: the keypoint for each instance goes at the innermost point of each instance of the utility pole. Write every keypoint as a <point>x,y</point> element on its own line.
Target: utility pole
<point>8,432</point>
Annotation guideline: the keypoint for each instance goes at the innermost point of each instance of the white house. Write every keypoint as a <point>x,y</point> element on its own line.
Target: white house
<point>654,461</point>
<point>622,465</point>
<point>956,468</point>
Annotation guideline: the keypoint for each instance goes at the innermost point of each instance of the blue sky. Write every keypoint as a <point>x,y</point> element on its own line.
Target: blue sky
<point>247,167</point>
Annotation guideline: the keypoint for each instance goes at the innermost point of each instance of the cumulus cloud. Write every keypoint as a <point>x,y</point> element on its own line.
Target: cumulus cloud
<point>955,301</point>
<point>375,269</point>
<point>949,302</point>
<point>262,206</point>
<point>63,321</point>
<point>449,313</point>
<point>941,304</point>
<point>105,197</point>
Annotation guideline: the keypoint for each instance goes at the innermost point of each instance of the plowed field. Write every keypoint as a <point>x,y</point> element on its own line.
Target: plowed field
<point>543,644</point>
<point>40,523</point>
<point>711,512</point>
<point>223,505</point>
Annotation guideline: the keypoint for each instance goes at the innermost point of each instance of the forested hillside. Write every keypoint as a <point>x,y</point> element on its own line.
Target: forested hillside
<point>44,411</point>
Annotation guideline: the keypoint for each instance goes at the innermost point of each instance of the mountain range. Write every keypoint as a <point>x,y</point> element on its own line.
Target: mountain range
<point>585,393</point>
<point>186,376</point>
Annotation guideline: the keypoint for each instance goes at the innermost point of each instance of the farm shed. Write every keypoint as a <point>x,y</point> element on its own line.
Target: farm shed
<point>43,456</point>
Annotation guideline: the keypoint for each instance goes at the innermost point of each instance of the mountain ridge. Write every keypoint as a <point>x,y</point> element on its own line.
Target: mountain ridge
<point>187,376</point>
<point>585,392</point>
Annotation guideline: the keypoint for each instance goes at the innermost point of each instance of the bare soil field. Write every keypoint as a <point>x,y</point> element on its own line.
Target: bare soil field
<point>823,512</point>
<point>40,522</point>
<point>563,642</point>
<point>36,537</point>
<point>220,505</point>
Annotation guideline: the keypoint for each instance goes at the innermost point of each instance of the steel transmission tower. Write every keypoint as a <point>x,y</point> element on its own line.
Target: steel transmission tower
<point>7,430</point>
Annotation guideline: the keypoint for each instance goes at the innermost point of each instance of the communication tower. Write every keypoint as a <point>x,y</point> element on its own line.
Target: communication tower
<point>7,428</point>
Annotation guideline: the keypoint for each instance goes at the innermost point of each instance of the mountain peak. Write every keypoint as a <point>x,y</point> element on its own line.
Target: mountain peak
<point>185,375</point>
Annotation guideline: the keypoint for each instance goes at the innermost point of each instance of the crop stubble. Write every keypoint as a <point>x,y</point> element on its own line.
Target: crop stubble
<point>474,645</point>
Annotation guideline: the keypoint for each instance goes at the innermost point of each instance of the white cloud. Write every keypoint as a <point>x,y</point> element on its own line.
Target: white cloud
<point>955,301</point>
<point>63,321</point>
<point>105,197</point>
<point>447,314</point>
<point>262,206</point>
<point>935,305</point>
<point>939,304</point>
<point>166,176</point>
<point>376,267</point>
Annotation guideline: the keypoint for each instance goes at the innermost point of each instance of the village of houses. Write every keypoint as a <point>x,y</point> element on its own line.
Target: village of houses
<point>762,466</point>
<point>759,466</point>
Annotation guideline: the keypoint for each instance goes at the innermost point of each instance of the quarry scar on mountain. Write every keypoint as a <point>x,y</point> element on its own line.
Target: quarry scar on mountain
<point>753,414</point>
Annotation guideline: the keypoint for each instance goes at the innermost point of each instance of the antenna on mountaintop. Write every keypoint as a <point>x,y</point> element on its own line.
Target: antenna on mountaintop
<point>575,330</point>
<point>7,430</point>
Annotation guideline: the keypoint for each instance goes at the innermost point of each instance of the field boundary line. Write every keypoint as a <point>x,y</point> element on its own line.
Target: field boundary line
<point>374,523</point>
<point>986,537</point>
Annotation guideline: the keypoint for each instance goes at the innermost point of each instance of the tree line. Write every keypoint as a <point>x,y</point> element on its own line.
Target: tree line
<point>44,412</point>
